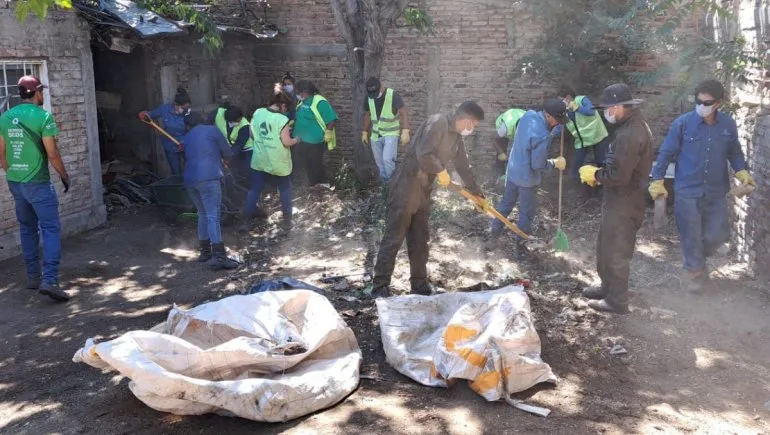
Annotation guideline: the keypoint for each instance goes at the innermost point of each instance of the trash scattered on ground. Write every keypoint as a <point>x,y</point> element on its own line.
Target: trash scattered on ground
<point>271,356</point>
<point>618,350</point>
<point>283,283</point>
<point>532,409</point>
<point>487,338</point>
<point>660,313</point>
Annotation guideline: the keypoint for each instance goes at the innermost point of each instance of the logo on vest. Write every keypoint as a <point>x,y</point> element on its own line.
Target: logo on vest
<point>15,121</point>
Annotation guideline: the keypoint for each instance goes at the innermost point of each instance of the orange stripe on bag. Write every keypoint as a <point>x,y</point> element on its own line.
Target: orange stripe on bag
<point>485,382</point>
<point>455,333</point>
<point>473,358</point>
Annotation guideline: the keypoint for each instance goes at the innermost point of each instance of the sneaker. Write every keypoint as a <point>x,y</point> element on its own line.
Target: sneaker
<point>595,292</point>
<point>54,292</point>
<point>33,283</point>
<point>606,307</point>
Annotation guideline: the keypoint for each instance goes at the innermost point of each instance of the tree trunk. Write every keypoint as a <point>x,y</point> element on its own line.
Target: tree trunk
<point>364,24</point>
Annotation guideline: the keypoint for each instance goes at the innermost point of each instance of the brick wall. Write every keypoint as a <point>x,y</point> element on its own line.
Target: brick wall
<point>62,40</point>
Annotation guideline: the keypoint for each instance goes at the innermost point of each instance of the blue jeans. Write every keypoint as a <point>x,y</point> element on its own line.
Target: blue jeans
<point>600,154</point>
<point>703,227</point>
<point>174,159</point>
<point>385,150</point>
<point>207,197</point>
<point>527,199</point>
<point>37,210</point>
<point>261,179</point>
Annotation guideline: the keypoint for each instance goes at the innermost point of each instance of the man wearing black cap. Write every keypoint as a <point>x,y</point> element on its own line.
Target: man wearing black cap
<point>624,177</point>
<point>27,144</point>
<point>438,141</point>
<point>526,164</point>
<point>386,115</point>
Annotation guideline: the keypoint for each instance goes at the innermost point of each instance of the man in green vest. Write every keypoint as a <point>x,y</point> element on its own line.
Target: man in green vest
<point>27,144</point>
<point>587,129</point>
<point>387,130</point>
<point>506,125</point>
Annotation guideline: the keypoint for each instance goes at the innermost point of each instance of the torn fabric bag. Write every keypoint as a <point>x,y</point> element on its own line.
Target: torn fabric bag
<point>487,338</point>
<point>271,356</point>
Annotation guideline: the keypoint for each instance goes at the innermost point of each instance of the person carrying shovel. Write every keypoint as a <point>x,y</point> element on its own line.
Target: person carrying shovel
<point>526,164</point>
<point>173,117</point>
<point>436,142</point>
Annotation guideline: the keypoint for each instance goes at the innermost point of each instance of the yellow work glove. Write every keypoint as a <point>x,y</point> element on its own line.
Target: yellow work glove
<point>328,136</point>
<point>365,137</point>
<point>572,106</point>
<point>485,206</point>
<point>502,157</point>
<point>405,137</point>
<point>559,163</point>
<point>443,178</point>
<point>745,178</point>
<point>657,189</point>
<point>588,175</point>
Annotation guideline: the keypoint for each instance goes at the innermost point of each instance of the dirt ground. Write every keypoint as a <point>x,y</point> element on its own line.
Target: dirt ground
<point>694,364</point>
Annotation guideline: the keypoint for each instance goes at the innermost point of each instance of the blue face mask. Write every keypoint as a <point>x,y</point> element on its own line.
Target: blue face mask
<point>288,88</point>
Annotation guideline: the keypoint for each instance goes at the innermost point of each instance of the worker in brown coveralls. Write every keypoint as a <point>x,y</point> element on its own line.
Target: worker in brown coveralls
<point>438,141</point>
<point>625,178</point>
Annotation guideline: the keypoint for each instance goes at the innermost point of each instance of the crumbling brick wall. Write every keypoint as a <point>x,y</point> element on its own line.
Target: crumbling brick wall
<point>63,41</point>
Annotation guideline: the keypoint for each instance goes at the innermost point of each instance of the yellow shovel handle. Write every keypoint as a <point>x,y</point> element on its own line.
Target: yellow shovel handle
<point>491,211</point>
<point>161,131</point>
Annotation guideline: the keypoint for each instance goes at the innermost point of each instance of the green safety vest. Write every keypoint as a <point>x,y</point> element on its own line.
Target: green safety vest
<point>221,124</point>
<point>586,130</point>
<point>387,124</point>
<point>511,120</point>
<point>314,108</point>
<point>269,153</point>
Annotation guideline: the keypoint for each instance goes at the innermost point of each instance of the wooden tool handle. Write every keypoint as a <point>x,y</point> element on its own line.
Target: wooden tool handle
<point>161,131</point>
<point>492,212</point>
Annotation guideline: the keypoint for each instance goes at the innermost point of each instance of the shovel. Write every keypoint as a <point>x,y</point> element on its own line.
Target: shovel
<point>491,211</point>
<point>560,240</point>
<point>160,130</point>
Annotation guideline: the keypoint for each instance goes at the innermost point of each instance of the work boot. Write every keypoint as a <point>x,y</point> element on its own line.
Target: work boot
<point>595,292</point>
<point>204,247</point>
<point>54,292</point>
<point>219,260</point>
<point>381,292</point>
<point>604,306</point>
<point>286,224</point>
<point>493,238</point>
<point>33,282</point>
<point>424,290</point>
<point>695,282</point>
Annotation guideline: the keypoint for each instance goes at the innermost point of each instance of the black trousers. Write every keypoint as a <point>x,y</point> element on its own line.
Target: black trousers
<point>622,216</point>
<point>310,158</point>
<point>407,218</point>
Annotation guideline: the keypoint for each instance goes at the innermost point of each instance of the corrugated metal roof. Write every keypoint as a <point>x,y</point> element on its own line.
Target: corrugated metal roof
<point>144,22</point>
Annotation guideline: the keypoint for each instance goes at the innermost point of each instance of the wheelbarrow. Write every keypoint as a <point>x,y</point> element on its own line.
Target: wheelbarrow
<point>171,195</point>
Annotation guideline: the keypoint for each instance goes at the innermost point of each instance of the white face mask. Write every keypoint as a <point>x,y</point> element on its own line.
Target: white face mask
<point>610,118</point>
<point>289,89</point>
<point>466,133</point>
<point>232,124</point>
<point>704,111</point>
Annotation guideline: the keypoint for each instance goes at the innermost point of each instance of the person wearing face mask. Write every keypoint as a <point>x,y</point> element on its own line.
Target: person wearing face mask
<point>230,121</point>
<point>701,142</point>
<point>314,127</point>
<point>438,141</point>
<point>624,177</point>
<point>587,129</point>
<point>526,164</point>
<point>287,85</point>
<point>172,117</point>
<point>387,130</point>
<point>271,161</point>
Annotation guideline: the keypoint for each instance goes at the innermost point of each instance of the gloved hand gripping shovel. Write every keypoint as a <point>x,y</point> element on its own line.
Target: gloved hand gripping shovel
<point>560,240</point>
<point>482,204</point>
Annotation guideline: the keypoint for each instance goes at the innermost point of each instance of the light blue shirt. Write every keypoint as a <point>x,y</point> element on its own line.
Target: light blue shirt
<point>529,153</point>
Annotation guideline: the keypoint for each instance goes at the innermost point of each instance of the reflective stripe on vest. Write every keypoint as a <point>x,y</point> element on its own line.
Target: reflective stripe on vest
<point>237,130</point>
<point>269,153</point>
<point>387,124</point>
<point>511,119</point>
<point>332,144</point>
<point>221,124</point>
<point>586,130</point>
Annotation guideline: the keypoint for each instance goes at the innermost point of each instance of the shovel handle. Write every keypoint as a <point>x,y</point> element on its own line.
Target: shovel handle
<point>161,131</point>
<point>490,211</point>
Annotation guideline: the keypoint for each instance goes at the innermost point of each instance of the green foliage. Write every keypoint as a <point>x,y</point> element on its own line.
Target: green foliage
<point>345,178</point>
<point>211,37</point>
<point>419,19</point>
<point>38,7</point>
<point>611,39</point>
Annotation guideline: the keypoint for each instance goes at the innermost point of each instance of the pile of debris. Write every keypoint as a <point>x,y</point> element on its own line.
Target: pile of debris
<point>124,185</point>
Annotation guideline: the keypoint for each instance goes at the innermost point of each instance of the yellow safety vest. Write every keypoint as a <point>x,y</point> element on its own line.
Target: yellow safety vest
<point>221,124</point>
<point>387,124</point>
<point>332,144</point>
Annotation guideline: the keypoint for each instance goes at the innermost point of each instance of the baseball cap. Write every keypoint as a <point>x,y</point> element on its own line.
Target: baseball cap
<point>373,84</point>
<point>30,84</point>
<point>556,108</point>
<point>618,94</point>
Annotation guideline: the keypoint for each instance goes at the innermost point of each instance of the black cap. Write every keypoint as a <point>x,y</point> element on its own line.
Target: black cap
<point>373,85</point>
<point>557,109</point>
<point>618,94</point>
